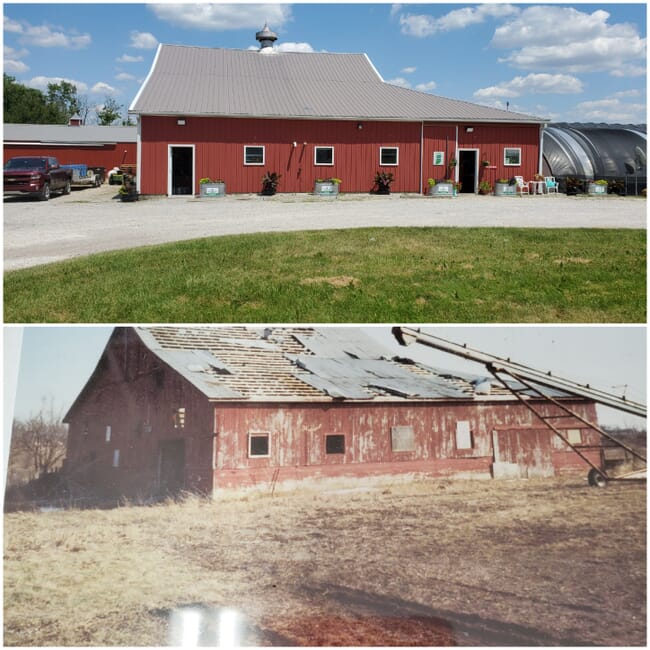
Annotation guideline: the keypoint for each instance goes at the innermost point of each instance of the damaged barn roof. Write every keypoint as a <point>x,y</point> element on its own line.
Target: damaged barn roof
<point>303,364</point>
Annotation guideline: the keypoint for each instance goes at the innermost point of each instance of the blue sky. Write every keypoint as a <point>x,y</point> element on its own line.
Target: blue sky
<point>565,62</point>
<point>56,361</point>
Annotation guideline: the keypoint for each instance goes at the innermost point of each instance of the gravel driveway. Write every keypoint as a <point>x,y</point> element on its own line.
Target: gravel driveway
<point>90,220</point>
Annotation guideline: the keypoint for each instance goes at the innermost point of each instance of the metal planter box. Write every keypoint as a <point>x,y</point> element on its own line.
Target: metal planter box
<point>442,190</point>
<point>212,190</point>
<point>326,188</point>
<point>505,189</point>
<point>596,189</point>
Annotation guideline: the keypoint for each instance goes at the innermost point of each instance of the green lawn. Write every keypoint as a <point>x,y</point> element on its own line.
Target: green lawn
<point>368,275</point>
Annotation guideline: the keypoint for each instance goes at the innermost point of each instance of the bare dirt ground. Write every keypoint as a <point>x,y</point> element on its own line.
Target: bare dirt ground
<point>432,563</point>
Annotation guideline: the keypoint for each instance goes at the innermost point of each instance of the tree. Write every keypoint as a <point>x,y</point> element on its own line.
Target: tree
<point>38,446</point>
<point>110,112</point>
<point>63,96</point>
<point>23,105</point>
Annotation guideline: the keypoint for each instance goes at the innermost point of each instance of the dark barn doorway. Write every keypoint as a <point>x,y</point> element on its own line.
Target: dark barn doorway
<point>172,466</point>
<point>182,170</point>
<point>468,170</point>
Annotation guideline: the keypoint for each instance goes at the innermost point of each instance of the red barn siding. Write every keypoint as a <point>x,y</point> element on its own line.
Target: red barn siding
<point>219,152</point>
<point>107,155</point>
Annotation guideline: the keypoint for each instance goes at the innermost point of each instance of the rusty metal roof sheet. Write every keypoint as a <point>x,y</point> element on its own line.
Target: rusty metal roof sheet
<point>187,80</point>
<point>299,364</point>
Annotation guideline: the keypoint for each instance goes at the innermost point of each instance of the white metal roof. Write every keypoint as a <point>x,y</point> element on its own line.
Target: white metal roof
<point>67,135</point>
<point>200,81</point>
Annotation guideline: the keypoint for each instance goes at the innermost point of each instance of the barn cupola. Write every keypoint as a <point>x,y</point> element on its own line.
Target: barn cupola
<point>266,39</point>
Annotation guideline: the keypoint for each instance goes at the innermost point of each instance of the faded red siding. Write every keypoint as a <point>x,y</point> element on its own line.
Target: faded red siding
<point>219,151</point>
<point>107,156</point>
<point>297,434</point>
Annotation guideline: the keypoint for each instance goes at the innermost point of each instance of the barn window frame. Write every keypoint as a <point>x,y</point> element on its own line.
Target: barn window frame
<point>116,458</point>
<point>402,439</point>
<point>333,446</point>
<point>464,435</point>
<point>259,435</point>
<point>574,436</point>
<point>323,149</point>
<point>512,156</point>
<point>249,160</point>
<point>385,150</point>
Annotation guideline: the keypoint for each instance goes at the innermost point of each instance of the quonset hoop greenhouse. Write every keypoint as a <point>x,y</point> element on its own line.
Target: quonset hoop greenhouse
<point>575,153</point>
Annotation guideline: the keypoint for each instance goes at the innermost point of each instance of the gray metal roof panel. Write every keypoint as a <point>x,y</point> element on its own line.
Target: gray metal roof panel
<point>64,134</point>
<point>220,82</point>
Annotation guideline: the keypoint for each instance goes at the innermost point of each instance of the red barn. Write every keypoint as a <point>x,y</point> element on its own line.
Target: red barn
<point>95,146</point>
<point>207,408</point>
<point>235,114</point>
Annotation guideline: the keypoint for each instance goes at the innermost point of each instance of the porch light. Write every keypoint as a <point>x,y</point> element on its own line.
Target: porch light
<point>469,129</point>
<point>359,126</point>
<point>180,122</point>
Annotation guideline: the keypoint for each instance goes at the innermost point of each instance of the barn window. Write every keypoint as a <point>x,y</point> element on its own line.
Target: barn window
<point>402,438</point>
<point>335,444</point>
<point>108,433</point>
<point>512,156</point>
<point>388,155</point>
<point>574,436</point>
<point>116,458</point>
<point>463,435</point>
<point>179,418</point>
<point>253,155</point>
<point>324,156</point>
<point>258,444</point>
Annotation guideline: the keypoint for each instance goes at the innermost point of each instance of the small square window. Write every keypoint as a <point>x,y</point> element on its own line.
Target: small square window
<point>438,158</point>
<point>512,157</point>
<point>179,418</point>
<point>335,444</point>
<point>574,436</point>
<point>253,155</point>
<point>463,435</point>
<point>258,444</point>
<point>402,438</point>
<point>324,156</point>
<point>389,156</point>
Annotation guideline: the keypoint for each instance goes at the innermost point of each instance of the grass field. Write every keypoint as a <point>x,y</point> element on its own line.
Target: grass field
<point>538,562</point>
<point>367,275</point>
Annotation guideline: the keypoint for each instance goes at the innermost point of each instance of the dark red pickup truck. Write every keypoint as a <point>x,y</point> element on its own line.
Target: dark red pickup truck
<point>37,176</point>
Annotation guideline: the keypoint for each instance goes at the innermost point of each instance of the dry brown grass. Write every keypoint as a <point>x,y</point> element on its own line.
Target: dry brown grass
<point>427,563</point>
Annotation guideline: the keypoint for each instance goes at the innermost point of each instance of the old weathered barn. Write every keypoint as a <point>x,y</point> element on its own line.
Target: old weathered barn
<point>206,408</point>
<point>235,114</point>
<point>94,146</point>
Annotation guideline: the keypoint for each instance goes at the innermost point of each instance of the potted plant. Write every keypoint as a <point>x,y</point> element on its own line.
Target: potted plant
<point>327,186</point>
<point>485,163</point>
<point>270,182</point>
<point>452,162</point>
<point>382,182</point>
<point>128,194</point>
<point>441,188</point>
<point>573,186</point>
<point>597,188</point>
<point>505,187</point>
<point>212,188</point>
<point>485,187</point>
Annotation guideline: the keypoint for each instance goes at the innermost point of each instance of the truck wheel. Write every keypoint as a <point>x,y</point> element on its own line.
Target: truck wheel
<point>66,189</point>
<point>45,193</point>
<point>596,479</point>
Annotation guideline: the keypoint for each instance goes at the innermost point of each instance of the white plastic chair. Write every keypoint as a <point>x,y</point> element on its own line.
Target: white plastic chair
<point>522,185</point>
<point>551,184</point>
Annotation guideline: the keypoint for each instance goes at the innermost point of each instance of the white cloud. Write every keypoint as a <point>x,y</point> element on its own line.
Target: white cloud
<point>14,66</point>
<point>426,87</point>
<point>124,76</point>
<point>409,70</point>
<point>221,17</point>
<point>399,81</point>
<point>294,47</point>
<point>564,38</point>
<point>610,109</point>
<point>540,83</point>
<point>421,25</point>
<point>101,88</point>
<point>42,82</point>
<point>46,36</point>
<point>127,58</point>
<point>143,41</point>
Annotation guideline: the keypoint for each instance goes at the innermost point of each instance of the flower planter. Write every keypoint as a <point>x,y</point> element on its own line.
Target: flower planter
<point>212,190</point>
<point>326,188</point>
<point>442,190</point>
<point>596,189</point>
<point>505,189</point>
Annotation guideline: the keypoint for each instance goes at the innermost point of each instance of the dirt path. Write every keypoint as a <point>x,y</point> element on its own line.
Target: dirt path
<point>90,220</point>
